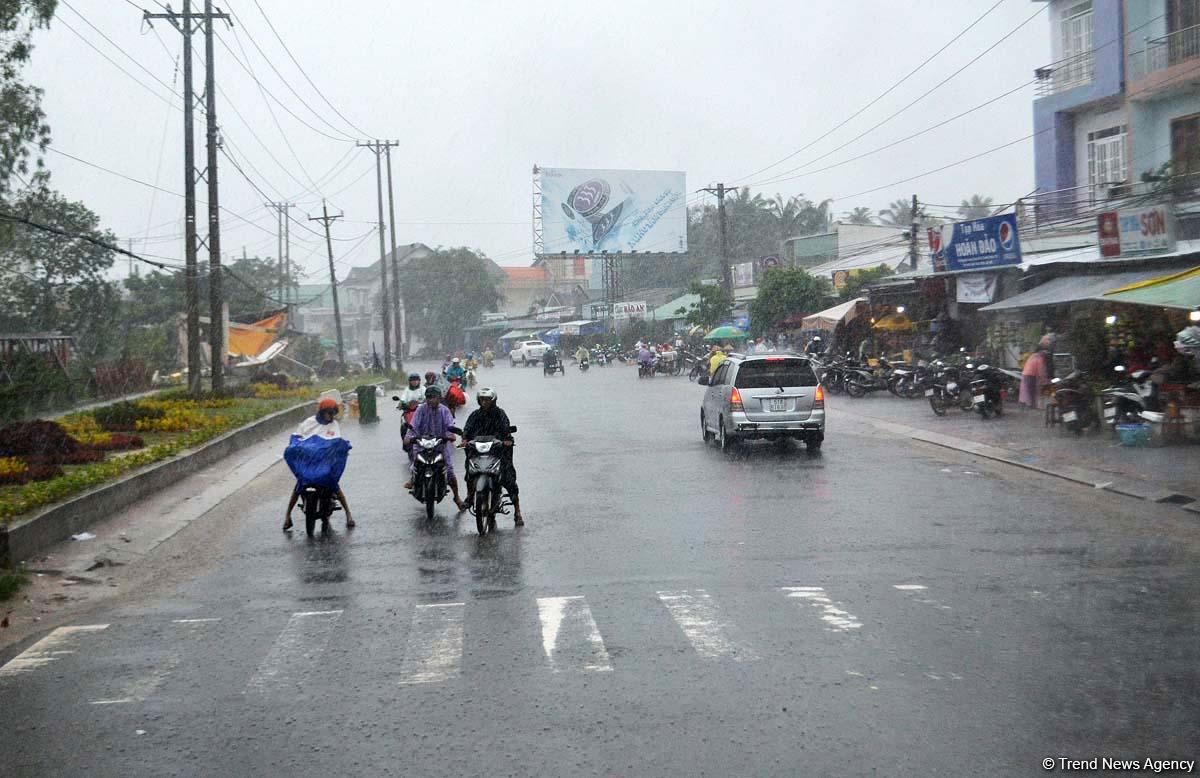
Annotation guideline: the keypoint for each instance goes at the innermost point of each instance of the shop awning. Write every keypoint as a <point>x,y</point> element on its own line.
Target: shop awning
<point>1069,289</point>
<point>1177,290</point>
<point>830,318</point>
<point>530,334</point>
<point>667,311</point>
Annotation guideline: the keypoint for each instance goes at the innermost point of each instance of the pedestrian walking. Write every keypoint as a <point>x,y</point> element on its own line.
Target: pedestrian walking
<point>1035,374</point>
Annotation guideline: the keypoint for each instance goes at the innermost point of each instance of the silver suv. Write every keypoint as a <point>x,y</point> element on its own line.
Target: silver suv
<point>763,396</point>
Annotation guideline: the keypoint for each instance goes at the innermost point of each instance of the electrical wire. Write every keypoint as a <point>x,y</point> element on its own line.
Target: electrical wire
<point>12,217</point>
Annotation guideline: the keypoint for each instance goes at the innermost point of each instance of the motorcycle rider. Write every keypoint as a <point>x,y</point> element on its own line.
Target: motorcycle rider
<point>815,347</point>
<point>715,358</point>
<point>456,370</point>
<point>325,425</point>
<point>432,379</point>
<point>411,399</point>
<point>489,419</point>
<point>433,420</point>
<point>489,358</point>
<point>582,353</point>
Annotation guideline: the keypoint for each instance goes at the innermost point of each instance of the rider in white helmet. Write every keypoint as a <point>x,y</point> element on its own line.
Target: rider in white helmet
<point>489,419</point>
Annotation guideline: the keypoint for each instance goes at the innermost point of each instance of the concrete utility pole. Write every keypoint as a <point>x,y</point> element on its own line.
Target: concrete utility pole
<point>326,219</point>
<point>378,147</point>
<point>397,303</point>
<point>284,242</point>
<point>726,271</point>
<point>912,235</point>
<point>216,299</point>
<point>183,23</point>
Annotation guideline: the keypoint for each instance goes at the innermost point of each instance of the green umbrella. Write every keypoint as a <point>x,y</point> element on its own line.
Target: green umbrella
<point>725,333</point>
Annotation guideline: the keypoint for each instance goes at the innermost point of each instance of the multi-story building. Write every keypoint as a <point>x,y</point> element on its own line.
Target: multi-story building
<point>1120,100</point>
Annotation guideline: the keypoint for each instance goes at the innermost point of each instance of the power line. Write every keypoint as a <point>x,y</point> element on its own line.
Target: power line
<point>12,217</point>
<point>882,95</point>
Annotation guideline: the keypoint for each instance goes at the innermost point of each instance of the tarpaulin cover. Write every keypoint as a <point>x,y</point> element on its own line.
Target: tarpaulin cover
<point>1177,290</point>
<point>829,318</point>
<point>317,458</point>
<point>250,340</point>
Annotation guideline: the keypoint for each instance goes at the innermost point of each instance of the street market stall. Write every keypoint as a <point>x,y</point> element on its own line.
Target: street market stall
<point>828,319</point>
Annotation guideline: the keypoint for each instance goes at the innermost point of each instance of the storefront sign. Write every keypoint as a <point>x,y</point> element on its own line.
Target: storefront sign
<point>635,310</point>
<point>975,287</point>
<point>976,245</point>
<point>1136,231</point>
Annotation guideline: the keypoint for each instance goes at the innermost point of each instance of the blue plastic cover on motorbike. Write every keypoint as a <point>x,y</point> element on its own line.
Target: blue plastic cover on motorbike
<point>317,460</point>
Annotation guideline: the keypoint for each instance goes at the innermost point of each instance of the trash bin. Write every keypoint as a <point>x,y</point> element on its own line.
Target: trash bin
<point>366,404</point>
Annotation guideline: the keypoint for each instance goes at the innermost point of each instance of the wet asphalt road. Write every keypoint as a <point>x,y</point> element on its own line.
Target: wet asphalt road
<point>882,609</point>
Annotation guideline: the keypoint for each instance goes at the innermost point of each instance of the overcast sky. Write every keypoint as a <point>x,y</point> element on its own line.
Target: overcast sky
<point>477,93</point>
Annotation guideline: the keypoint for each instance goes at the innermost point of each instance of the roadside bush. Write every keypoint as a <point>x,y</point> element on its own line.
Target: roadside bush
<point>42,441</point>
<point>124,416</point>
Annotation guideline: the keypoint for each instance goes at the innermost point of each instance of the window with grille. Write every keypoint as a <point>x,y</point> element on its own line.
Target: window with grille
<point>1107,161</point>
<point>1077,27</point>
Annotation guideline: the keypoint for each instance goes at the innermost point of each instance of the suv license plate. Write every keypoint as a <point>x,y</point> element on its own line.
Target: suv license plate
<point>929,393</point>
<point>1070,416</point>
<point>979,398</point>
<point>778,405</point>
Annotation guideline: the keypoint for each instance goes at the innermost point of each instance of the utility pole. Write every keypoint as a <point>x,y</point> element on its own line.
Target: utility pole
<point>183,23</point>
<point>378,147</point>
<point>216,298</point>
<point>397,303</point>
<point>912,235</point>
<point>326,219</point>
<point>726,271</point>
<point>284,242</point>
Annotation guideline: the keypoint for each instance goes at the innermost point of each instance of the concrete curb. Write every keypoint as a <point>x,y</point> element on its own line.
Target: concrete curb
<point>25,537</point>
<point>1126,487</point>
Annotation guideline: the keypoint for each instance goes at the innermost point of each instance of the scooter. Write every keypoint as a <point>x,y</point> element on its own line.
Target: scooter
<point>647,369</point>
<point>429,472</point>
<point>1076,406</point>
<point>584,364</point>
<point>319,503</point>
<point>485,462</point>
<point>987,391</point>
<point>1131,398</point>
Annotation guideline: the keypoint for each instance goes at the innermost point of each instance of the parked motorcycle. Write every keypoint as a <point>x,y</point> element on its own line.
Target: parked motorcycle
<point>946,387</point>
<point>860,379</point>
<point>485,462</point>
<point>1130,398</point>
<point>429,472</point>
<point>987,391</point>
<point>1075,400</point>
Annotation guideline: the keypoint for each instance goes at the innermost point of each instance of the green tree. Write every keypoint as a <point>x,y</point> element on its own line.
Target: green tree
<point>784,291</point>
<point>897,214</point>
<point>714,306</point>
<point>860,215</point>
<point>446,293</point>
<point>56,282</point>
<point>22,121</point>
<point>859,279</point>
<point>976,208</point>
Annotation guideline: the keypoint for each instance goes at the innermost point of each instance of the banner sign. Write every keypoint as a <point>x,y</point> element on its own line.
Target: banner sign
<point>978,244</point>
<point>743,274</point>
<point>613,210</point>
<point>635,310</point>
<point>1135,231</point>
<point>976,287</point>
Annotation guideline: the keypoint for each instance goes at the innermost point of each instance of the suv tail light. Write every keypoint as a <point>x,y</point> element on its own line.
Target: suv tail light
<point>819,397</point>
<point>735,400</point>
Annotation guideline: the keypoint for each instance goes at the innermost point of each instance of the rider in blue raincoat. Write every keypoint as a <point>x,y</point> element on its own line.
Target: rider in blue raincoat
<point>317,455</point>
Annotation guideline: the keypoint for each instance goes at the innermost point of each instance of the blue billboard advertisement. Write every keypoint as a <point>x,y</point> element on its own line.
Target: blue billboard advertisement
<point>613,210</point>
<point>978,244</point>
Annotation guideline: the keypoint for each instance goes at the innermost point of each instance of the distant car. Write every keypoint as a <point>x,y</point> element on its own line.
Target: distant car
<point>764,397</point>
<point>528,352</point>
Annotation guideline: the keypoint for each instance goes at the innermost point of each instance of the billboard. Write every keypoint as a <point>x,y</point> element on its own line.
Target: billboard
<point>1134,231</point>
<point>613,210</point>
<point>978,244</point>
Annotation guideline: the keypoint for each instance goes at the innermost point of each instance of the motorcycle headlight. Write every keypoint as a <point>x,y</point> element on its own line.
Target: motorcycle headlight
<point>483,448</point>
<point>436,459</point>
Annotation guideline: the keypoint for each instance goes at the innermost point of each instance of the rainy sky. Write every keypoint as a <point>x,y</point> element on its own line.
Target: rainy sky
<point>477,93</point>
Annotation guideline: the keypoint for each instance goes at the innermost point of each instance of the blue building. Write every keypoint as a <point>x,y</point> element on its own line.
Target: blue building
<point>1120,99</point>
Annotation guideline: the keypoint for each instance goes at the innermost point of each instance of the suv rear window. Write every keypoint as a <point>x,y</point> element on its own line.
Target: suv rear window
<point>771,373</point>
<point>534,343</point>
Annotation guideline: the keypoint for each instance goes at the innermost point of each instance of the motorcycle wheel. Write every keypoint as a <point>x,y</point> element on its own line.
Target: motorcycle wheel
<point>855,389</point>
<point>938,404</point>
<point>482,506</point>
<point>430,504</point>
<point>311,509</point>
<point>985,409</point>
<point>998,408</point>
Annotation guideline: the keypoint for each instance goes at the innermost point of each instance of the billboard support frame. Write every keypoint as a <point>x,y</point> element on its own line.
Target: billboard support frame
<point>539,239</point>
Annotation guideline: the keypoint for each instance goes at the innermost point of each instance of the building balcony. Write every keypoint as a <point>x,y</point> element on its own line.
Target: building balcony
<point>1156,63</point>
<point>1066,74</point>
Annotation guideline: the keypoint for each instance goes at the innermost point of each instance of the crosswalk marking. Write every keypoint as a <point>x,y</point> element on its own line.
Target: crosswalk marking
<point>696,615</point>
<point>570,636</point>
<point>140,689</point>
<point>48,649</point>
<point>435,644</point>
<point>836,619</point>
<point>295,650</point>
<point>915,591</point>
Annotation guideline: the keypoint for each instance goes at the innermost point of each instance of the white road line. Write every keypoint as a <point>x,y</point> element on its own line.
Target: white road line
<point>917,588</point>
<point>140,689</point>
<point>570,636</point>
<point>295,650</point>
<point>435,644</point>
<point>836,619</point>
<point>910,587</point>
<point>696,615</point>
<point>47,650</point>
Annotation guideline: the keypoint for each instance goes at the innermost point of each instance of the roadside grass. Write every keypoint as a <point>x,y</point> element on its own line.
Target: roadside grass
<point>11,582</point>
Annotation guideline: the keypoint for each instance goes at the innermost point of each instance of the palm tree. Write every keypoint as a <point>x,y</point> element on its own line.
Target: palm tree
<point>976,208</point>
<point>897,214</point>
<point>860,215</point>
